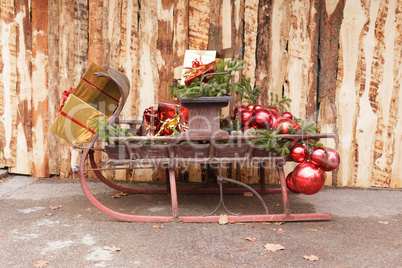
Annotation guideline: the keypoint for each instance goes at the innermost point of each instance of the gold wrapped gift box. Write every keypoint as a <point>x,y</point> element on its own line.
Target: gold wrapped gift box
<point>74,120</point>
<point>94,97</point>
<point>100,92</point>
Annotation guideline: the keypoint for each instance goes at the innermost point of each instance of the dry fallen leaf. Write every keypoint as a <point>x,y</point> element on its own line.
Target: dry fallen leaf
<point>311,258</point>
<point>120,195</point>
<point>157,226</point>
<point>279,231</point>
<point>273,247</point>
<point>383,222</point>
<point>248,194</point>
<point>279,222</point>
<point>251,239</point>
<point>2,180</point>
<point>314,230</point>
<point>223,219</point>
<point>41,263</point>
<point>55,207</point>
<point>113,248</point>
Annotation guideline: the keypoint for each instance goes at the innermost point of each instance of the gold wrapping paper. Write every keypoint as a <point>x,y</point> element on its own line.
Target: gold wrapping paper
<point>101,93</point>
<point>75,132</point>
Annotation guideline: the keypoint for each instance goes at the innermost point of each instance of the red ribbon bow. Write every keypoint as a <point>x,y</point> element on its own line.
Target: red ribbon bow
<point>64,97</point>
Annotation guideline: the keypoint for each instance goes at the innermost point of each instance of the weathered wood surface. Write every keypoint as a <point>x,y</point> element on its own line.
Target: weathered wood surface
<point>338,60</point>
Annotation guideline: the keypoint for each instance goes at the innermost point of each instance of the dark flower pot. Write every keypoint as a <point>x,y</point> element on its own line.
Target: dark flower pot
<point>204,117</point>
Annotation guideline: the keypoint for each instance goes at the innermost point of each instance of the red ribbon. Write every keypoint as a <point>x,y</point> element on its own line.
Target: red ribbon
<point>95,87</point>
<point>64,97</point>
<point>76,121</point>
<point>195,63</point>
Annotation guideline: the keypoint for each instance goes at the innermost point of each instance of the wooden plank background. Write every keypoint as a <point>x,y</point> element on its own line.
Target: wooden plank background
<point>338,60</point>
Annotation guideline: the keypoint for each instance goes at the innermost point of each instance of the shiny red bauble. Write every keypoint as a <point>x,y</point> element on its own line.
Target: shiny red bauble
<point>250,107</point>
<point>286,124</point>
<point>260,119</point>
<point>244,117</point>
<point>287,115</point>
<point>318,156</point>
<point>289,183</point>
<point>298,153</point>
<point>257,107</point>
<point>274,109</point>
<point>333,160</point>
<point>308,178</point>
<point>274,115</point>
<point>238,109</point>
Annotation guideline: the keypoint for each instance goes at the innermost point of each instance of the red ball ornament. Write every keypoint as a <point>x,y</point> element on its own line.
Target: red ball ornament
<point>333,160</point>
<point>308,179</point>
<point>274,115</point>
<point>238,109</point>
<point>298,153</point>
<point>274,109</point>
<point>257,107</point>
<point>318,156</point>
<point>289,183</point>
<point>286,123</point>
<point>287,115</point>
<point>244,117</point>
<point>260,119</point>
<point>250,107</point>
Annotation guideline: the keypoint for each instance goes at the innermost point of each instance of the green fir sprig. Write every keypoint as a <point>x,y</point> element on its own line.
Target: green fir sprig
<point>220,85</point>
<point>283,105</point>
<point>106,131</point>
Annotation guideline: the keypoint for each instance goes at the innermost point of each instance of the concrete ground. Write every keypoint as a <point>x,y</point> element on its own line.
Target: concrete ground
<point>50,223</point>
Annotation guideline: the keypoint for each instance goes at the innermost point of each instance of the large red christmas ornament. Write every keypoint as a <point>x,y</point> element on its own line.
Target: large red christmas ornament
<point>287,115</point>
<point>308,179</point>
<point>238,109</point>
<point>260,119</point>
<point>286,123</point>
<point>333,160</point>
<point>298,153</point>
<point>289,183</point>
<point>250,107</point>
<point>318,156</point>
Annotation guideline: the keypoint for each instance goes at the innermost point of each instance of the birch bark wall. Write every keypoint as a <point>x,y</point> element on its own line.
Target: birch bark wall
<point>338,60</point>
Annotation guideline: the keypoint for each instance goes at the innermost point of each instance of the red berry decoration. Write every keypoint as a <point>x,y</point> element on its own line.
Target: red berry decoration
<point>250,107</point>
<point>286,123</point>
<point>333,160</point>
<point>238,109</point>
<point>318,156</point>
<point>260,119</point>
<point>287,115</point>
<point>308,179</point>
<point>298,153</point>
<point>289,183</point>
